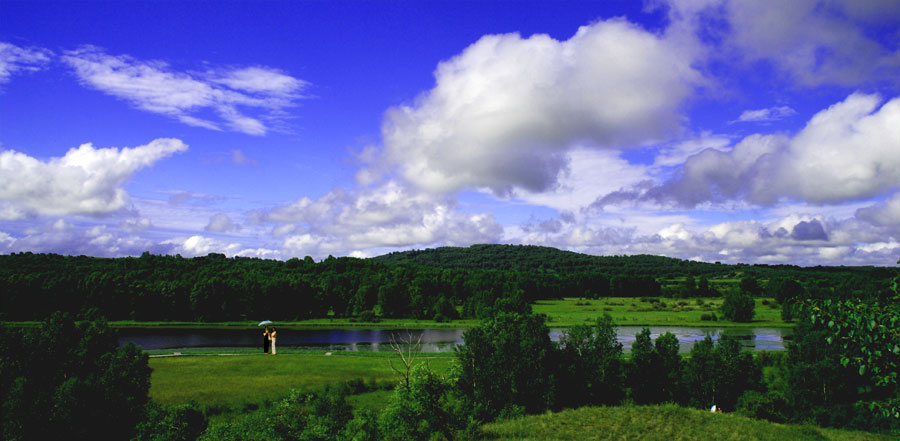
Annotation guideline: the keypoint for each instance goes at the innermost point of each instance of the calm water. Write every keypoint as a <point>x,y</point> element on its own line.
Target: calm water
<point>433,340</point>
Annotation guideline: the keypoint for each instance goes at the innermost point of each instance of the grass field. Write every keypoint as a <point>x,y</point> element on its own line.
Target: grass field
<point>630,311</point>
<point>659,423</point>
<point>233,382</point>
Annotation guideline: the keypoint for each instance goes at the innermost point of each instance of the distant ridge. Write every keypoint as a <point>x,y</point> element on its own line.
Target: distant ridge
<point>541,259</point>
<point>533,258</point>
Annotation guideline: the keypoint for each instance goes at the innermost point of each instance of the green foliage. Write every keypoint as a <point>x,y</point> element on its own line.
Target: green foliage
<point>590,365</point>
<point>750,286</point>
<point>654,371</point>
<point>171,423</point>
<point>738,307</point>
<point>719,373</point>
<point>431,405</point>
<point>505,362</point>
<point>845,366</point>
<point>70,380</point>
<point>770,406</point>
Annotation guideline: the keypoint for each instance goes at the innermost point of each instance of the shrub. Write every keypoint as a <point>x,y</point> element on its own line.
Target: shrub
<point>176,423</point>
<point>368,316</point>
<point>708,317</point>
<point>738,307</point>
<point>772,406</point>
<point>430,407</point>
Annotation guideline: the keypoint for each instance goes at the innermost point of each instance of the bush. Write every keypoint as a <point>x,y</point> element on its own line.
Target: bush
<point>431,407</point>
<point>708,317</point>
<point>771,406</point>
<point>368,316</point>
<point>738,307</point>
<point>176,423</point>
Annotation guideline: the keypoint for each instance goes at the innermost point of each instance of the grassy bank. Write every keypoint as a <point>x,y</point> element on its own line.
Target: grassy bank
<point>235,382</point>
<point>659,423</point>
<point>657,311</point>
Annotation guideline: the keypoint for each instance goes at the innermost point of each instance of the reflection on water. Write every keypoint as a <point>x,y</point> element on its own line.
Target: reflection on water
<point>433,340</point>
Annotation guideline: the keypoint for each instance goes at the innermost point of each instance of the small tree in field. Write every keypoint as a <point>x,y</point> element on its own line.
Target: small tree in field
<point>738,307</point>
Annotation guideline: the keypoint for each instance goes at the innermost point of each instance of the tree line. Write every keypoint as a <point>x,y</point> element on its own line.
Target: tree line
<point>451,283</point>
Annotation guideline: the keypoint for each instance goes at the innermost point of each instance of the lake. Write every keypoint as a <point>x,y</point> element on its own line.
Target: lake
<point>433,340</point>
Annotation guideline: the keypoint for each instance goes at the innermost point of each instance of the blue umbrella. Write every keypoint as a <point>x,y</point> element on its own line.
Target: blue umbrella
<point>265,323</point>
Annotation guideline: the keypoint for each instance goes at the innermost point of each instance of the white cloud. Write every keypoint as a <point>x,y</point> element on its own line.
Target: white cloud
<point>505,112</point>
<point>239,158</point>
<point>200,246</point>
<point>86,180</point>
<point>221,223</point>
<point>14,59</point>
<point>155,87</point>
<point>64,237</point>
<point>261,80</point>
<point>764,115</point>
<point>884,214</point>
<point>799,239</point>
<point>589,173</point>
<point>812,42</point>
<point>848,152</point>
<point>388,216</point>
<point>676,154</point>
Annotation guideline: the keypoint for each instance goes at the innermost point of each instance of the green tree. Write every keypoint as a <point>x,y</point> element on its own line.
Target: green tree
<point>654,370</point>
<point>738,307</point>
<point>68,380</point>
<point>719,373</point>
<point>506,364</point>
<point>590,360</point>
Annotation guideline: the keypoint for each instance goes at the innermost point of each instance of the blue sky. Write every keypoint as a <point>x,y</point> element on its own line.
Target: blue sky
<point>756,132</point>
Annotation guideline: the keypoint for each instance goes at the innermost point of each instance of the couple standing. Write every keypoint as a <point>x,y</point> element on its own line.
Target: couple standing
<point>269,340</point>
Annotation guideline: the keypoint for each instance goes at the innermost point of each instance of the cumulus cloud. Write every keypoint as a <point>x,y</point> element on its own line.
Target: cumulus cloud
<point>812,42</point>
<point>389,216</point>
<point>504,112</point>
<point>793,239</point>
<point>63,237</point>
<point>86,180</point>
<point>221,223</point>
<point>155,87</point>
<point>848,152</point>
<point>14,59</point>
<point>765,115</point>
<point>883,214</point>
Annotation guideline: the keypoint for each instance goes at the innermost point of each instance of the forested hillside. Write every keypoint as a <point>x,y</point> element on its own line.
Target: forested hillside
<point>532,258</point>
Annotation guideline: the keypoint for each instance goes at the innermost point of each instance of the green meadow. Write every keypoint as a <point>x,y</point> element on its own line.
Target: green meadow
<point>234,382</point>
<point>656,311</point>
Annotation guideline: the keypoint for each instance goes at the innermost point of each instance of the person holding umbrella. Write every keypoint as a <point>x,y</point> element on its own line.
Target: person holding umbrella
<point>266,336</point>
